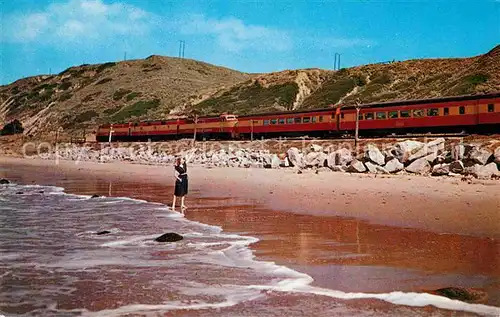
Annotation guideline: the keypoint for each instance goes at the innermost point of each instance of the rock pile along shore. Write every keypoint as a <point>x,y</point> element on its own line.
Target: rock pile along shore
<point>431,158</point>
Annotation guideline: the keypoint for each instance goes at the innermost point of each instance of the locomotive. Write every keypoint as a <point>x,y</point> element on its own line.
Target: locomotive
<point>470,114</point>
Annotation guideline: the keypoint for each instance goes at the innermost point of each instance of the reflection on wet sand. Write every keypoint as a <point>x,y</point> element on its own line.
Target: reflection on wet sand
<point>340,253</point>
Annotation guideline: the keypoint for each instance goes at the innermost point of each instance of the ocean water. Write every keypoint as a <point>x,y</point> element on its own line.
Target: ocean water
<point>53,263</point>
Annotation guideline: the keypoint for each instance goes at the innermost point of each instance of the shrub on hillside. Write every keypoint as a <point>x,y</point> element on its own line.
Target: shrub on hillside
<point>11,128</point>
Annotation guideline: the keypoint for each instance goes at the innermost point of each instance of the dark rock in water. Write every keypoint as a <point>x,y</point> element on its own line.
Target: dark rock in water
<point>103,232</point>
<point>95,196</point>
<point>169,237</point>
<point>4,181</point>
<point>19,193</point>
<point>41,192</point>
<point>268,166</point>
<point>463,294</point>
<point>299,172</point>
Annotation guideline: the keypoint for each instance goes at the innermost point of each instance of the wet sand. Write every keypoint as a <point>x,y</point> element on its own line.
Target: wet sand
<point>442,233</point>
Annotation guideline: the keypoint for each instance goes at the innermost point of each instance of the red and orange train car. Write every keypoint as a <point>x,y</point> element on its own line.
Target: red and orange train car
<point>473,114</point>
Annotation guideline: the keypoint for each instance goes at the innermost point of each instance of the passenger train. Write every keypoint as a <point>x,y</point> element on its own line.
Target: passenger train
<point>470,114</point>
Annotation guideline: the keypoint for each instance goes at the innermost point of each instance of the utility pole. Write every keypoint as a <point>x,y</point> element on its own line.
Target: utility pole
<point>195,124</point>
<point>251,131</point>
<point>336,62</point>
<point>356,136</point>
<point>182,47</point>
<point>110,133</point>
<point>125,56</point>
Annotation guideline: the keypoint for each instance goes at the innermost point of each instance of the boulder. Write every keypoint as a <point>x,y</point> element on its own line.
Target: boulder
<point>435,147</point>
<point>483,171</point>
<point>497,155</point>
<point>315,159</point>
<point>441,169</point>
<point>460,151</point>
<point>463,294</point>
<point>295,157</point>
<point>103,232</point>
<point>338,168</point>
<point>457,167</point>
<point>419,166</point>
<point>375,169</point>
<point>169,237</point>
<point>479,155</point>
<point>394,166</point>
<point>443,158</point>
<point>403,150</point>
<point>340,157</point>
<point>275,161</point>
<point>95,196</point>
<point>356,167</point>
<point>4,181</point>
<point>374,155</point>
<point>316,148</point>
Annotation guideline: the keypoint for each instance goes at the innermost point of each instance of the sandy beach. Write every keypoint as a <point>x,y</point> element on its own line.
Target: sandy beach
<point>354,233</point>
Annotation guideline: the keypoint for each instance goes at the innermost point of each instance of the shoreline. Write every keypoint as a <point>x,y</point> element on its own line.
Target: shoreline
<point>441,204</point>
<point>243,208</point>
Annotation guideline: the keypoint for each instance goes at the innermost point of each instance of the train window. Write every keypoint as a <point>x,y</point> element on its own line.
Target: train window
<point>491,107</point>
<point>381,115</point>
<point>289,120</point>
<point>360,117</point>
<point>461,110</point>
<point>163,122</point>
<point>393,114</point>
<point>281,121</point>
<point>404,113</point>
<point>446,111</point>
<point>298,120</point>
<point>369,116</point>
<point>418,113</point>
<point>313,119</point>
<point>266,122</point>
<point>342,115</point>
<point>306,119</point>
<point>432,112</point>
<point>273,121</point>
<point>320,118</point>
<point>135,124</point>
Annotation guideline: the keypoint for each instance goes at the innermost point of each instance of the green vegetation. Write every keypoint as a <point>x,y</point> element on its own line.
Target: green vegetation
<point>85,116</point>
<point>467,84</point>
<point>120,93</point>
<point>45,86</point>
<point>103,81</point>
<point>102,67</point>
<point>133,95</point>
<point>46,95</point>
<point>65,85</point>
<point>135,110</point>
<point>90,97</point>
<point>381,78</point>
<point>330,93</point>
<point>65,96</point>
<point>250,99</point>
<point>13,127</point>
<point>110,111</point>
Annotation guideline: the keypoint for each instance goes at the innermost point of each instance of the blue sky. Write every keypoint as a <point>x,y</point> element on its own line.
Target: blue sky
<point>38,36</point>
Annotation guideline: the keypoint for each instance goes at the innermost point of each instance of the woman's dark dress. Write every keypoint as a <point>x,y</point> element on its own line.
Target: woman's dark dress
<point>181,188</point>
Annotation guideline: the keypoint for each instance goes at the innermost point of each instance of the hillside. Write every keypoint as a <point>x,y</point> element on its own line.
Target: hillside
<point>157,87</point>
<point>84,96</point>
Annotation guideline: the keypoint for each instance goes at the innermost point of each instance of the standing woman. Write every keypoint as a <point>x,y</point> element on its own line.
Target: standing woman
<point>181,183</point>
